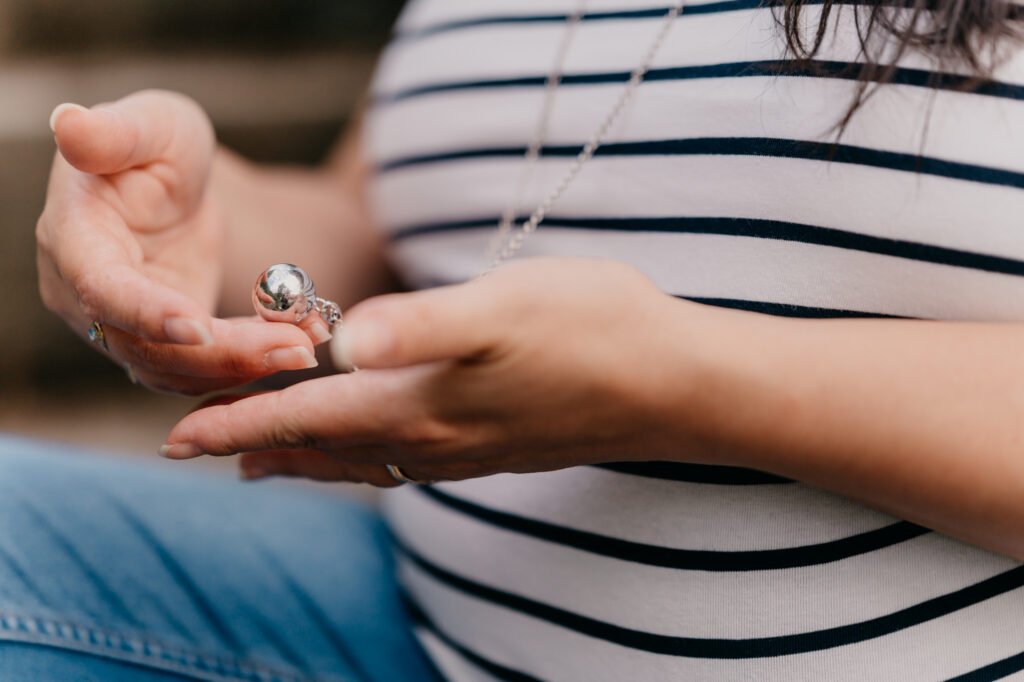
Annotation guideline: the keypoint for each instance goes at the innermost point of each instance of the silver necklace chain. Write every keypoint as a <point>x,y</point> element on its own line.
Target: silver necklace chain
<point>509,238</point>
<point>539,134</point>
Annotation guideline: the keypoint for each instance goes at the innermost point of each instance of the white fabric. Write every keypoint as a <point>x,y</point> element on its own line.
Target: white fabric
<point>490,584</point>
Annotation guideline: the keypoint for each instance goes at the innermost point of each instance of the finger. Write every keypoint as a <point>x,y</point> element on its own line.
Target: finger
<point>86,271</point>
<point>225,399</point>
<point>331,412</point>
<point>118,295</point>
<point>138,130</point>
<point>312,464</point>
<point>176,384</point>
<point>398,330</point>
<point>163,382</point>
<point>243,349</point>
<point>63,303</point>
<point>170,137</point>
<point>317,330</point>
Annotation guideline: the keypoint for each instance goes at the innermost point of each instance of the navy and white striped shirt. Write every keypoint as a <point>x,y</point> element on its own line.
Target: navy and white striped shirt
<point>721,182</point>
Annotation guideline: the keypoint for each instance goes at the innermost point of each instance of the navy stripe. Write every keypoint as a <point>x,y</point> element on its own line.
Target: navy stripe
<point>760,229</point>
<point>993,671</point>
<point>711,474</point>
<point>684,559</point>
<point>419,616</point>
<point>703,473</point>
<point>710,648</point>
<point>784,310</point>
<point>499,20</point>
<point>647,13</point>
<point>743,146</point>
<point>762,68</point>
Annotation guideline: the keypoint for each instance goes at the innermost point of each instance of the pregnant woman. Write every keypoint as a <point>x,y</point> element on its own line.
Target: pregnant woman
<point>703,321</point>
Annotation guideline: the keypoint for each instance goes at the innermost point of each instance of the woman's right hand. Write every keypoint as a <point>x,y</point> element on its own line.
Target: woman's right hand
<point>131,238</point>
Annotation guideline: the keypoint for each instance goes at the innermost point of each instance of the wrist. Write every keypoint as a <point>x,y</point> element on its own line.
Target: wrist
<point>716,389</point>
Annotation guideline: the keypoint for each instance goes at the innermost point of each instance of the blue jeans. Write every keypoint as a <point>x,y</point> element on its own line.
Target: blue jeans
<point>112,570</point>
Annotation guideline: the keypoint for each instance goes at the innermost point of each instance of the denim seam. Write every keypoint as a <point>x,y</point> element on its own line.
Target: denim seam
<point>137,650</point>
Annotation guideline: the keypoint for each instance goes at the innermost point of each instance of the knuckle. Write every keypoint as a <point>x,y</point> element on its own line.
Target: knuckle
<point>42,233</point>
<point>146,353</point>
<point>427,434</point>
<point>285,433</point>
<point>234,365</point>
<point>288,430</point>
<point>86,290</point>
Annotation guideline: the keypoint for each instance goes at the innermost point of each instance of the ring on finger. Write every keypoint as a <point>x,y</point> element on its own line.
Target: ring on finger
<point>399,475</point>
<point>97,335</point>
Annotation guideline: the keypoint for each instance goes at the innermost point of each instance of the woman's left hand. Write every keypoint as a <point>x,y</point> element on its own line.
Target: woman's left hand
<point>540,365</point>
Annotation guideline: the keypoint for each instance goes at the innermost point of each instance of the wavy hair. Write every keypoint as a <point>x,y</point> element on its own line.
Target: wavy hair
<point>954,33</point>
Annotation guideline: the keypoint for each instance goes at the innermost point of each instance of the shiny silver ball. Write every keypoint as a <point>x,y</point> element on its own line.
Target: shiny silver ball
<point>284,293</point>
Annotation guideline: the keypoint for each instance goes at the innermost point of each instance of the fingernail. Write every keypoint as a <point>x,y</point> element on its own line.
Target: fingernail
<point>60,110</point>
<point>179,451</point>
<point>319,334</point>
<point>252,473</point>
<point>295,357</point>
<point>187,331</point>
<point>371,338</point>
<point>341,349</point>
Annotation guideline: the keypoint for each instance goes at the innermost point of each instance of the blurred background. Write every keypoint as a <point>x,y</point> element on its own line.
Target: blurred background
<point>279,79</point>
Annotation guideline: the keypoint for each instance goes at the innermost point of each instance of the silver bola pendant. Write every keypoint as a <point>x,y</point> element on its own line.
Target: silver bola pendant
<point>285,293</point>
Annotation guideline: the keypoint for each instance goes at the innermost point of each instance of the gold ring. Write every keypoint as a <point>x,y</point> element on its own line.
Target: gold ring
<point>399,475</point>
<point>97,336</point>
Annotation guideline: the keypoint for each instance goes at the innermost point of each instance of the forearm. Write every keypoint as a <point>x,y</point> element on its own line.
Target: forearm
<point>316,218</point>
<point>924,420</point>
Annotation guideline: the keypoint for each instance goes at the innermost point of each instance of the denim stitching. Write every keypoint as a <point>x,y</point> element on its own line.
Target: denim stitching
<point>134,649</point>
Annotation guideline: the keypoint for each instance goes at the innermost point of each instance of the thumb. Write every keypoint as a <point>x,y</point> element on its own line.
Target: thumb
<point>399,330</point>
<point>141,129</point>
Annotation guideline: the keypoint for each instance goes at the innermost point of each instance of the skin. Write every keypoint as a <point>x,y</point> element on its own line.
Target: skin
<point>552,363</point>
<point>150,229</point>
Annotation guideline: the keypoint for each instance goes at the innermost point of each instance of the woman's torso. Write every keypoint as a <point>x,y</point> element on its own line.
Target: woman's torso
<point>719,182</point>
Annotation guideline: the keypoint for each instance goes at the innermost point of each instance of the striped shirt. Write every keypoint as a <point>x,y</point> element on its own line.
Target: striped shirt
<point>720,182</point>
